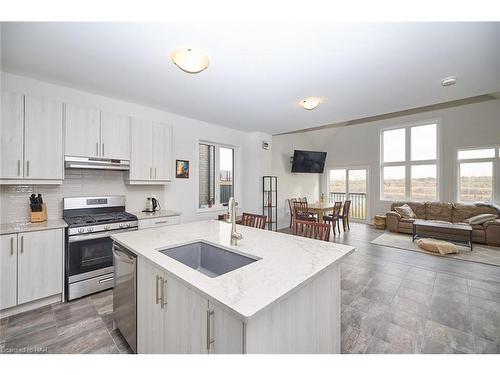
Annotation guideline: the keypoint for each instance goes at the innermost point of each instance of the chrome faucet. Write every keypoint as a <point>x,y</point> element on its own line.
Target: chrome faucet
<point>235,236</point>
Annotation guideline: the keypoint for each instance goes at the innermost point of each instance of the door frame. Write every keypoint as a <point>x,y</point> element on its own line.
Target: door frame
<point>353,167</point>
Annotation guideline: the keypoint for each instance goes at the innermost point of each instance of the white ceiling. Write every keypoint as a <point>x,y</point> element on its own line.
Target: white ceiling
<point>259,72</point>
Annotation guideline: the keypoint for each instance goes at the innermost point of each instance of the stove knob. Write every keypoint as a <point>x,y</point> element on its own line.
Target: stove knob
<point>128,225</point>
<point>120,225</point>
<point>89,229</point>
<point>106,227</point>
<point>81,230</point>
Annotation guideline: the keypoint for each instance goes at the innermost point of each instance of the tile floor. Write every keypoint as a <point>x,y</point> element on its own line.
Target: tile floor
<point>393,301</point>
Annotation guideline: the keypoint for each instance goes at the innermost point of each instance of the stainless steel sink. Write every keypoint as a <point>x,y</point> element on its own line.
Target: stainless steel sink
<point>208,259</point>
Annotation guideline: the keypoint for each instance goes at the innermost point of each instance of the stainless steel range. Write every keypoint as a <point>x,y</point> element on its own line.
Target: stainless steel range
<point>89,248</point>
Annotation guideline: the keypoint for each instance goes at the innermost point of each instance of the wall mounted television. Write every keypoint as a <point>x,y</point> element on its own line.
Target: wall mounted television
<point>308,161</point>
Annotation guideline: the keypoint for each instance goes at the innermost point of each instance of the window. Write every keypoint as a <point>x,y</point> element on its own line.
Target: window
<point>478,174</point>
<point>216,175</point>
<point>409,163</point>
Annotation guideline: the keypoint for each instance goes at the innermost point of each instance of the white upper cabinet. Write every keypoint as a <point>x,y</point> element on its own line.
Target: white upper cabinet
<point>32,140</point>
<point>162,151</point>
<point>115,136</point>
<point>82,137</point>
<point>141,157</point>
<point>94,133</point>
<point>151,152</point>
<point>43,131</point>
<point>12,139</point>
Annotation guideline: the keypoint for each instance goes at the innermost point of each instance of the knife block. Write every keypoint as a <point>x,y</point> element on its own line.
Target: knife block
<point>37,217</point>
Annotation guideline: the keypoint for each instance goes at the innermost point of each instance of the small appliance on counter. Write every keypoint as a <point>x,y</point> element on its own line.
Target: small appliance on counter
<point>38,209</point>
<point>152,205</point>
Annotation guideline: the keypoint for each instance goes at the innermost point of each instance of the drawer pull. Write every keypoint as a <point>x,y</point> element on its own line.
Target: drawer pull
<point>162,222</point>
<point>106,279</point>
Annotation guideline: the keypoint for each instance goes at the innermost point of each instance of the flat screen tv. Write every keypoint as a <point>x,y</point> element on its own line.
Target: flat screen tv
<point>308,161</point>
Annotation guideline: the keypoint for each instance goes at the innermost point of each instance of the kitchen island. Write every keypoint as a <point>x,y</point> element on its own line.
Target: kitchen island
<point>286,300</point>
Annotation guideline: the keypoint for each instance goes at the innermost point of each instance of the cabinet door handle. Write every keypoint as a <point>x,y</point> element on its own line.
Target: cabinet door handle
<point>155,173</point>
<point>22,244</point>
<point>27,167</point>
<point>163,294</point>
<point>158,278</point>
<point>150,173</point>
<point>210,340</point>
<point>97,149</point>
<point>12,246</point>
<point>102,148</point>
<point>18,167</point>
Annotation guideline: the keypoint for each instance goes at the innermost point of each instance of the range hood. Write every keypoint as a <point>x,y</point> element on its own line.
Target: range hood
<point>76,162</point>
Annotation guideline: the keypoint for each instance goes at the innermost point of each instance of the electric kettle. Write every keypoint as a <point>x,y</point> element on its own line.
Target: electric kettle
<point>152,205</point>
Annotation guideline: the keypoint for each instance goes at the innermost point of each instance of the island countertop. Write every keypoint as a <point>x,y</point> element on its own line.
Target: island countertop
<point>286,261</point>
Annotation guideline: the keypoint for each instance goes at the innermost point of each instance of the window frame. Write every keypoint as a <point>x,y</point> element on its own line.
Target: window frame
<point>408,163</point>
<point>495,160</point>
<point>216,206</point>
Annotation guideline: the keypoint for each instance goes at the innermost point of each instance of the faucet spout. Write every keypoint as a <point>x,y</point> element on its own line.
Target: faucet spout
<point>235,236</point>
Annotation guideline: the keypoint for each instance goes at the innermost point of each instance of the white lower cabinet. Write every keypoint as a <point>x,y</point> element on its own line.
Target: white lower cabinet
<point>158,222</point>
<point>173,318</point>
<point>31,266</point>
<point>8,271</point>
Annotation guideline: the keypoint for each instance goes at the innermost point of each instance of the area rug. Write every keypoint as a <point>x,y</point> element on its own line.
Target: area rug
<point>480,254</point>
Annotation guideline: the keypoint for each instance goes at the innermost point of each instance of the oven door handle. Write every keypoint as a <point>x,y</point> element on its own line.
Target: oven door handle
<point>92,236</point>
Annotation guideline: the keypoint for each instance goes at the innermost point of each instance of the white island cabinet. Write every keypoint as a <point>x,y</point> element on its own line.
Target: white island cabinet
<point>286,301</point>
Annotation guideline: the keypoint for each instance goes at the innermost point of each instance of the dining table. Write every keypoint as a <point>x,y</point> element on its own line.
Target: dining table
<point>320,209</point>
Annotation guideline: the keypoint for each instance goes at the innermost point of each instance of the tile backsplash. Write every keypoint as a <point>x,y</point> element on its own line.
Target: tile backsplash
<point>14,199</point>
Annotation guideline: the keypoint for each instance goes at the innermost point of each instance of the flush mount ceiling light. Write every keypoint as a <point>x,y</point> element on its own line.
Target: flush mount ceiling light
<point>310,103</point>
<point>190,60</point>
<point>449,81</point>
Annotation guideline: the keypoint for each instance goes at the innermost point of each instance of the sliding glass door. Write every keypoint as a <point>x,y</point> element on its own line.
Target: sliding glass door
<point>350,184</point>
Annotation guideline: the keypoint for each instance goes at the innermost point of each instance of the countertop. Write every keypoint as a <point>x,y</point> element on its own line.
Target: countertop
<point>19,227</point>
<point>156,214</point>
<point>286,261</point>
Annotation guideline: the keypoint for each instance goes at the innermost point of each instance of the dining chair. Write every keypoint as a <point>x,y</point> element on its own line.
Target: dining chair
<point>301,211</point>
<point>253,220</point>
<point>318,231</point>
<point>344,216</point>
<point>290,205</point>
<point>333,218</point>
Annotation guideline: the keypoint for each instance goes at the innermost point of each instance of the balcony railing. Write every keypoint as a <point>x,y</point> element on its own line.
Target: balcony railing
<point>358,204</point>
<point>225,193</point>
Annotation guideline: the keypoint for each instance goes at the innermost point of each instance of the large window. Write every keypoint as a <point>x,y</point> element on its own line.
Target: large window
<point>409,160</point>
<point>216,175</point>
<point>478,174</point>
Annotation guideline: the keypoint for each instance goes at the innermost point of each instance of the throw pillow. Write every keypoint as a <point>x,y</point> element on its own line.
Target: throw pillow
<point>405,211</point>
<point>480,219</point>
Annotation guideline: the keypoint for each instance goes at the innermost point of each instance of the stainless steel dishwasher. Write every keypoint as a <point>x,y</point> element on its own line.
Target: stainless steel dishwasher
<point>125,294</point>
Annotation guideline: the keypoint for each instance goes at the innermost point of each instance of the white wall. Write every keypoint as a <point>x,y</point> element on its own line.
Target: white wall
<point>180,194</point>
<point>292,185</point>
<point>358,145</point>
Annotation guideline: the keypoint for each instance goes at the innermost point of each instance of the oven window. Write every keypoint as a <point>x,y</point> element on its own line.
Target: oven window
<point>90,255</point>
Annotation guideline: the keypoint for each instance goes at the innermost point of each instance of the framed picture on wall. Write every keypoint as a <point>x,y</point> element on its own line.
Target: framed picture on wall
<point>182,168</point>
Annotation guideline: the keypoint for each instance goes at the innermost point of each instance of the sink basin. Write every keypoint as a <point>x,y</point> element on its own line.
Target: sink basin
<point>208,259</point>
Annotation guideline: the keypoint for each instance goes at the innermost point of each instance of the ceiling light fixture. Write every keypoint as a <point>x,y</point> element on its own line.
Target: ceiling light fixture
<point>449,81</point>
<point>310,103</point>
<point>190,60</point>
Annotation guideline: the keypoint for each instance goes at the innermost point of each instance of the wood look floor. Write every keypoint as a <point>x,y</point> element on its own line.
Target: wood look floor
<point>393,301</point>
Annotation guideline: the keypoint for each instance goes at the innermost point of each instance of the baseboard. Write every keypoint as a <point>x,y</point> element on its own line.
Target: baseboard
<point>31,305</point>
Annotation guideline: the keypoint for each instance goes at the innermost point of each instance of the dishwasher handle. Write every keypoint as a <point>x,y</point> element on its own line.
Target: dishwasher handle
<point>123,255</point>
